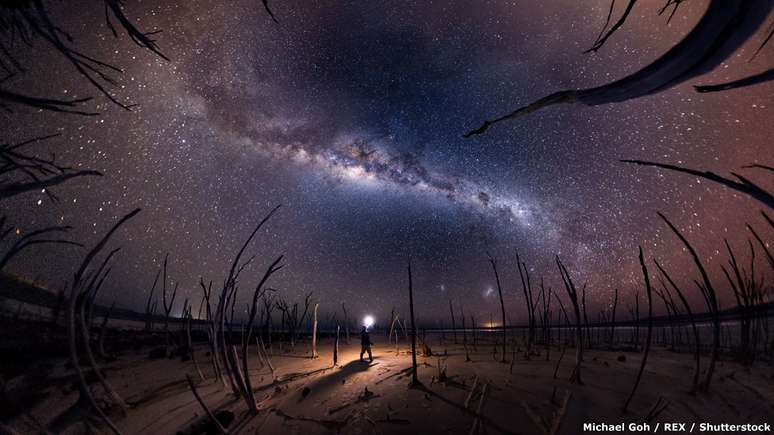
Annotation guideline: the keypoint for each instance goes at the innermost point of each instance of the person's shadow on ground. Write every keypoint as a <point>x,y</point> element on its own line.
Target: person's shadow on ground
<point>340,375</point>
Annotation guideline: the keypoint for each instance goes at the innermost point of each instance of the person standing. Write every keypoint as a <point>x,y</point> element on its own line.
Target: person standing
<point>365,344</point>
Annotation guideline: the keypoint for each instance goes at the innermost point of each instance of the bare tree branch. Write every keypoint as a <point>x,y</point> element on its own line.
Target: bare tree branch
<point>268,10</point>
<point>754,79</point>
<point>725,25</point>
<point>743,185</point>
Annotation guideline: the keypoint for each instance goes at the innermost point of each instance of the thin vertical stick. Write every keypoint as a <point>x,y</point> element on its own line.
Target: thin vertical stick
<point>493,262</point>
<point>314,333</point>
<point>414,379</point>
<point>454,327</point>
<point>650,329</point>
<point>336,346</point>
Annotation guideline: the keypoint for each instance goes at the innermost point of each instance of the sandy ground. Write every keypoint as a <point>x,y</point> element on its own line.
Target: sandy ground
<point>309,396</point>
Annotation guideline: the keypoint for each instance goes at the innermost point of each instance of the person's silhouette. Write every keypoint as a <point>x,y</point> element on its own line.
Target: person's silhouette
<point>365,344</point>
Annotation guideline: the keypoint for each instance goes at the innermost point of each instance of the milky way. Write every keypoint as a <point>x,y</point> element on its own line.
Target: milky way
<point>351,115</point>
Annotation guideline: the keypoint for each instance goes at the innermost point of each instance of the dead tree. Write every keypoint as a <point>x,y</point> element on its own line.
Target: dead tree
<point>76,292</point>
<point>249,395</point>
<point>238,380</point>
<point>465,334</point>
<point>696,337</point>
<point>474,325</point>
<point>241,376</point>
<point>36,237</point>
<point>612,320</point>
<point>748,291</point>
<point>388,330</point>
<point>493,262</point>
<point>314,333</point>
<point>585,316</point>
<point>762,244</point>
<point>212,330</point>
<point>454,327</point>
<point>29,21</point>
<point>724,27</point>
<point>572,292</point>
<point>85,327</point>
<point>545,296</point>
<point>268,308</point>
<point>744,185</point>
<point>414,378</point>
<point>526,286</point>
<point>188,318</point>
<point>670,311</point>
<point>393,328</point>
<point>149,307</point>
<point>167,305</point>
<point>708,292</point>
<point>22,171</point>
<point>754,79</point>
<point>650,329</point>
<point>307,304</point>
<point>346,322</point>
<point>336,345</point>
<point>291,317</point>
<point>564,312</point>
<point>634,312</point>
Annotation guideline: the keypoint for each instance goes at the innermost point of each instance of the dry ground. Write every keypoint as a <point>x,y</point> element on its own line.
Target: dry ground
<point>309,396</point>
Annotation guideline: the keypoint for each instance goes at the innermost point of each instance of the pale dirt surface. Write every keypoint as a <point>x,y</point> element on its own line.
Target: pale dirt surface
<point>524,402</point>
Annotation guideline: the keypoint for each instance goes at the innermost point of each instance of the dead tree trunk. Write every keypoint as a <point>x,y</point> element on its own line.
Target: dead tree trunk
<point>212,331</point>
<point>454,327</point>
<point>612,320</point>
<point>167,305</point>
<point>414,378</point>
<point>493,262</point>
<point>585,317</point>
<point>149,305</point>
<point>708,291</point>
<point>650,330</point>
<point>572,292</point>
<point>346,323</point>
<point>392,328</point>
<point>83,386</point>
<point>745,292</point>
<point>545,296</point>
<point>634,312</point>
<point>464,334</point>
<point>668,310</point>
<point>527,289</point>
<point>191,349</point>
<point>268,307</point>
<point>696,338</point>
<point>473,325</point>
<point>86,338</point>
<point>314,333</point>
<point>77,292</point>
<point>259,291</point>
<point>336,346</point>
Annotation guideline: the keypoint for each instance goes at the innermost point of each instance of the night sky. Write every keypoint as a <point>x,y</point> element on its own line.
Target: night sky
<point>350,114</point>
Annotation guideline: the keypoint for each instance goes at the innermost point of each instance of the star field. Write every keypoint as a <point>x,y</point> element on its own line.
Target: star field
<point>351,114</point>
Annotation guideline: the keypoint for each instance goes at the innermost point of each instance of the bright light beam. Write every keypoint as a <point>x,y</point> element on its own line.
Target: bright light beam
<point>368,321</point>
